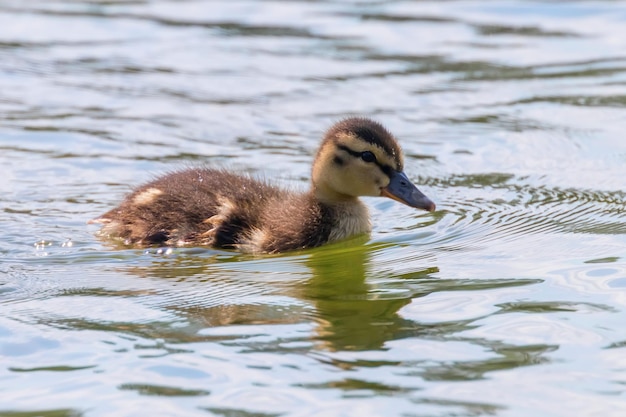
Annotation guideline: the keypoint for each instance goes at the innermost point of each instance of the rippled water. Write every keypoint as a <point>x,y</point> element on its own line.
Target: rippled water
<point>509,300</point>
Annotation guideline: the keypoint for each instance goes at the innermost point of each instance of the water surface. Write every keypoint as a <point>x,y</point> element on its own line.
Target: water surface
<point>509,300</point>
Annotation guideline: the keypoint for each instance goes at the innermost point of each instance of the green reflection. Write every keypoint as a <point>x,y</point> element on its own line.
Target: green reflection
<point>358,387</point>
<point>507,357</point>
<point>59,368</point>
<point>159,390</point>
<point>42,413</point>
<point>231,412</point>
<point>350,315</point>
<point>463,408</point>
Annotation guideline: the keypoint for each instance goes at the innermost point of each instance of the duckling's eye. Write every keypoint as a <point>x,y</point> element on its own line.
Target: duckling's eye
<point>367,156</point>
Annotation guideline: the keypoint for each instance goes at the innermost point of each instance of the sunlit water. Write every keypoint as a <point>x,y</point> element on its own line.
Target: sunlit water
<point>509,300</point>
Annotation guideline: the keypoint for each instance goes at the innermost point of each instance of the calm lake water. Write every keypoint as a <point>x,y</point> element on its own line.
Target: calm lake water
<point>509,300</point>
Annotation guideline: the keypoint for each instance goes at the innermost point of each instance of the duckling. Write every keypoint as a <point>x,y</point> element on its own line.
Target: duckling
<point>213,207</point>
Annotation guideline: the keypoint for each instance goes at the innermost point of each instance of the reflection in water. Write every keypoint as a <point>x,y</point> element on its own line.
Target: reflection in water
<point>350,314</point>
<point>340,294</point>
<point>332,289</point>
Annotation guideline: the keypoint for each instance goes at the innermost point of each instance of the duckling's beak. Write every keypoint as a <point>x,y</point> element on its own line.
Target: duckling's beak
<point>401,189</point>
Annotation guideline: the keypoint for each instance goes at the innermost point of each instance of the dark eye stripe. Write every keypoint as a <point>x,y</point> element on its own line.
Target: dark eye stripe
<point>386,169</point>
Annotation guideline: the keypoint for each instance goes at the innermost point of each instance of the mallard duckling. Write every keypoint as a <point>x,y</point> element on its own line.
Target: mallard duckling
<point>205,206</point>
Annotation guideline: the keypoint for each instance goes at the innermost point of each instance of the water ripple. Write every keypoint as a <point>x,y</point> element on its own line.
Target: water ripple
<point>507,210</point>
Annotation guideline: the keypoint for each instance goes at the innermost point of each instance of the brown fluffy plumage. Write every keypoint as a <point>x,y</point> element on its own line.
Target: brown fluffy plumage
<point>214,207</point>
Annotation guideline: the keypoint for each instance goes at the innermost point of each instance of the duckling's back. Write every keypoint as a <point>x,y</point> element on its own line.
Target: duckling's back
<point>198,205</point>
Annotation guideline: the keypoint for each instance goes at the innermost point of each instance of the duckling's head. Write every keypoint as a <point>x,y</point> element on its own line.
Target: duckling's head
<point>359,157</point>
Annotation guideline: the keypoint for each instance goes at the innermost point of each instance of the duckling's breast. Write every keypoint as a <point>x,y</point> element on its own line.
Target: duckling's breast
<point>350,219</point>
